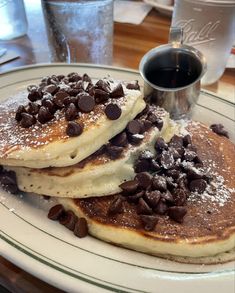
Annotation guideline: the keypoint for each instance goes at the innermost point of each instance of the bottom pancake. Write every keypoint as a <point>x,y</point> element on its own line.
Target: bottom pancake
<point>207,232</point>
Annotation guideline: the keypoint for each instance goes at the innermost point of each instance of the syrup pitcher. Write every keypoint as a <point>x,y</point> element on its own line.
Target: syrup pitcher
<point>172,75</point>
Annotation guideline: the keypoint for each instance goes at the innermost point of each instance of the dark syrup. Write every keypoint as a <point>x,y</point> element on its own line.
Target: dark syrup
<point>170,77</point>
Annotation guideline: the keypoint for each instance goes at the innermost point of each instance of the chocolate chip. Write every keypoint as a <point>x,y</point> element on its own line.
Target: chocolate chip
<point>44,115</point>
<point>100,95</point>
<point>152,197</point>
<point>135,139</point>
<point>187,140</point>
<point>33,108</point>
<point>143,208</point>
<point>86,103</point>
<point>129,186</point>
<point>56,212</point>
<point>219,129</point>
<point>154,166</point>
<point>8,181</point>
<point>147,125</point>
<point>176,153</point>
<point>117,92</point>
<point>34,96</point>
<point>51,88</point>
<point>70,100</point>
<point>159,124</point>
<point>134,197</point>
<point>116,206</point>
<point>170,183</point>
<point>197,185</point>
<point>168,197</point>
<point>177,213</point>
<point>160,145</point>
<point>71,112</point>
<point>113,151</point>
<point>189,155</point>
<point>152,118</point>
<point>159,183</point>
<point>146,155</point>
<point>149,221</point>
<point>167,160</point>
<point>81,228</point>
<point>60,77</point>
<point>59,97</point>
<point>194,174</point>
<point>120,140</point>
<point>179,196</point>
<point>50,106</point>
<point>74,77</point>
<point>68,219</point>
<point>133,127</point>
<point>27,120</point>
<point>192,148</point>
<point>176,142</point>
<point>86,78</point>
<point>161,208</point>
<point>113,111</point>
<point>133,86</point>
<point>142,166</point>
<point>21,109</point>
<point>102,85</point>
<point>144,179</point>
<point>74,129</point>
<point>174,173</point>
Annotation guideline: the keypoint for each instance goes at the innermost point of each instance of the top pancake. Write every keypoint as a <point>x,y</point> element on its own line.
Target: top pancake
<point>47,145</point>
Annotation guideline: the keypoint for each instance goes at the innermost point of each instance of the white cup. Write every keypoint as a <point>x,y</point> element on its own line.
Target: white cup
<point>208,26</point>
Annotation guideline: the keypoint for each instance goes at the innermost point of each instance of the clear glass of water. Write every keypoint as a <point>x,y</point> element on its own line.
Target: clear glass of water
<point>208,26</point>
<point>13,22</point>
<point>79,31</point>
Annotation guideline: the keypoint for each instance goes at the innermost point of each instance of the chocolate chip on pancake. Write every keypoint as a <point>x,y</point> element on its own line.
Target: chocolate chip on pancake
<point>69,220</point>
<point>8,181</point>
<point>56,212</point>
<point>59,97</point>
<point>103,85</point>
<point>100,95</point>
<point>160,145</point>
<point>21,109</point>
<point>129,186</point>
<point>149,221</point>
<point>179,196</point>
<point>152,197</point>
<point>50,106</point>
<point>134,127</point>
<point>189,155</point>
<point>74,129</point>
<point>27,120</point>
<point>167,160</point>
<point>142,166</point>
<point>187,140</point>
<point>197,185</point>
<point>86,103</point>
<point>161,207</point>
<point>159,183</point>
<point>71,112</point>
<point>50,89</point>
<point>33,108</point>
<point>120,140</point>
<point>176,142</point>
<point>74,77</point>
<point>133,86</point>
<point>168,197</point>
<point>134,197</point>
<point>116,206</point>
<point>81,228</point>
<point>143,208</point>
<point>144,179</point>
<point>44,115</point>
<point>86,77</point>
<point>117,92</point>
<point>219,129</point>
<point>113,111</point>
<point>70,100</point>
<point>177,213</point>
<point>114,151</point>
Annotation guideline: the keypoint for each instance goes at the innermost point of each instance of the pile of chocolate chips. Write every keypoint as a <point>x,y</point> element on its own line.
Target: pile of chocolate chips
<point>69,220</point>
<point>163,182</point>
<point>8,180</point>
<point>71,95</point>
<point>133,133</point>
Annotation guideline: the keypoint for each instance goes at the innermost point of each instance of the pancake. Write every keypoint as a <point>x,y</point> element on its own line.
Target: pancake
<point>207,233</point>
<point>99,174</point>
<point>48,145</point>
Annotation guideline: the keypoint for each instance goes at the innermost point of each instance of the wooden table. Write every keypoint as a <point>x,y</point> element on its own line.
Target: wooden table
<point>130,44</point>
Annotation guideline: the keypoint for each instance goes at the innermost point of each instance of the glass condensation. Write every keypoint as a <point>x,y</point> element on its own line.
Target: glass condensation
<point>209,26</point>
<point>13,22</point>
<point>80,31</point>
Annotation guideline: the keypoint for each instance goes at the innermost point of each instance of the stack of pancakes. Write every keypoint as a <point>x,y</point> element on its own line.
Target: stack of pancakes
<point>100,149</point>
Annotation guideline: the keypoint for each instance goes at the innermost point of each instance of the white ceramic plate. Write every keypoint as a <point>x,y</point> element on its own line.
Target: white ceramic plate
<point>164,9</point>
<point>52,253</point>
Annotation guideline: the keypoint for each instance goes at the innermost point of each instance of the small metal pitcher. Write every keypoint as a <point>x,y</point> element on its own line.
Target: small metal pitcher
<point>178,101</point>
